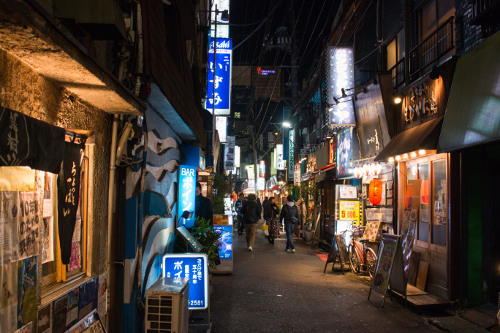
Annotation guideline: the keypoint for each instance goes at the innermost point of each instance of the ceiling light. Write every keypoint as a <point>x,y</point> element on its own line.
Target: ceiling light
<point>405,156</point>
<point>398,158</point>
<point>397,100</point>
<point>391,160</point>
<point>421,152</point>
<point>413,154</point>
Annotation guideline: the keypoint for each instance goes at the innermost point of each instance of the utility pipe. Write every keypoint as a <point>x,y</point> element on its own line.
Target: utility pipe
<point>111,187</point>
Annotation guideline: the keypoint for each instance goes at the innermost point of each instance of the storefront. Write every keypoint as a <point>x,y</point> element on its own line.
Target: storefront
<point>422,182</point>
<point>471,135</point>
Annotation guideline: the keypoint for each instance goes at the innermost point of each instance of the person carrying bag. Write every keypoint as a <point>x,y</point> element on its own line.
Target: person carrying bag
<point>290,216</point>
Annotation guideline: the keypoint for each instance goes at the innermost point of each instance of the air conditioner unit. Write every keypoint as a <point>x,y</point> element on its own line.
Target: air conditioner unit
<point>167,306</point>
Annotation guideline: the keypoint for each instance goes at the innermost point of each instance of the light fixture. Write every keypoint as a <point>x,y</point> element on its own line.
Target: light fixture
<point>434,74</point>
<point>287,124</point>
<point>397,100</point>
<point>336,100</point>
<point>413,154</point>
<point>405,156</point>
<point>398,158</point>
<point>391,159</point>
<point>344,95</point>
<point>421,152</point>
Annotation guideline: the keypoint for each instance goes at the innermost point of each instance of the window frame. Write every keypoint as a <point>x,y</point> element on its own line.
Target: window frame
<point>51,288</point>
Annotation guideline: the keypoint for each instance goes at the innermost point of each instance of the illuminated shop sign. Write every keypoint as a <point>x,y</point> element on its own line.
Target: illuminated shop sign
<point>344,152</point>
<point>265,72</point>
<point>187,194</point>
<point>193,267</point>
<point>291,135</point>
<point>222,83</point>
<point>220,5</point>
<point>340,76</point>
<point>221,127</point>
<point>280,161</point>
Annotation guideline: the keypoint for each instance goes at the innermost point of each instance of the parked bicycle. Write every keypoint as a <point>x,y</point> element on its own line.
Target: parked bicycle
<point>361,257</point>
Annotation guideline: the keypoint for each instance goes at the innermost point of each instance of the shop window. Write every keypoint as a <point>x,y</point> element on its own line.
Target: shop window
<point>440,203</point>
<point>423,224</point>
<point>431,177</point>
<point>54,273</point>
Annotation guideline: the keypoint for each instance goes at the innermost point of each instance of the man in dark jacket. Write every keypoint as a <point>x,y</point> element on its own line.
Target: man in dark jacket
<point>237,206</point>
<point>203,206</point>
<point>271,212</point>
<point>251,214</point>
<point>290,215</point>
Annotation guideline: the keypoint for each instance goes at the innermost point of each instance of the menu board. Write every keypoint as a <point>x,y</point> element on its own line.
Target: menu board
<point>389,268</point>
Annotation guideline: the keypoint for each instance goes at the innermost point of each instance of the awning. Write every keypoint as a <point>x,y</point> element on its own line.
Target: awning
<point>473,112</point>
<point>424,136</point>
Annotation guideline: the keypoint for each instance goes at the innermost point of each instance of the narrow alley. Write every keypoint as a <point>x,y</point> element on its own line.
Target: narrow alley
<point>271,290</point>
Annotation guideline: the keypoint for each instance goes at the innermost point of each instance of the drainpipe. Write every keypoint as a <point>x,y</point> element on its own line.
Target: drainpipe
<point>139,49</point>
<point>111,186</point>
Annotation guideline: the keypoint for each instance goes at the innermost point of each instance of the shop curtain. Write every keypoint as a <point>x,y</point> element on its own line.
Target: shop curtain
<point>68,192</point>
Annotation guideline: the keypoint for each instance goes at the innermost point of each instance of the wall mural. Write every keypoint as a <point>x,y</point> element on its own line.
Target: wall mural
<point>151,210</point>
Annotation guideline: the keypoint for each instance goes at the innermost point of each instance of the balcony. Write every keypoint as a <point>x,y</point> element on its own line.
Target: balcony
<point>431,49</point>
<point>485,12</point>
<point>425,54</point>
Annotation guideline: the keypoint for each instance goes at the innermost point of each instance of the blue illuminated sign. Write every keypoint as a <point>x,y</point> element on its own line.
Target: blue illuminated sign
<point>187,196</point>
<point>195,268</point>
<point>222,82</point>
<point>226,240</point>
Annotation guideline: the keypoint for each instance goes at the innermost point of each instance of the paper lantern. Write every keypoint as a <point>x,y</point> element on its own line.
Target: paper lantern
<point>375,191</point>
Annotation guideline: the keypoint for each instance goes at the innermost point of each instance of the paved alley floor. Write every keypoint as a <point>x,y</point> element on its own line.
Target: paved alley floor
<point>271,290</point>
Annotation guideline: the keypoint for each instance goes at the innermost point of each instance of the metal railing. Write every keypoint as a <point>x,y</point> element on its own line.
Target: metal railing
<point>398,73</point>
<point>432,48</point>
<point>480,7</point>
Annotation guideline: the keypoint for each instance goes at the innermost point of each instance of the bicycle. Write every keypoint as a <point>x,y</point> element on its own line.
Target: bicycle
<point>361,257</point>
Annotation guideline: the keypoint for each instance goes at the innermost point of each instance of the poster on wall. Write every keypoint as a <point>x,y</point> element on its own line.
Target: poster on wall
<point>75,259</point>
<point>28,224</point>
<point>8,297</point>
<point>27,273</point>
<point>9,214</point>
<point>60,314</point>
<point>44,322</point>
<point>88,298</point>
<point>102,308</point>
<point>349,210</point>
<point>47,219</point>
<point>72,309</point>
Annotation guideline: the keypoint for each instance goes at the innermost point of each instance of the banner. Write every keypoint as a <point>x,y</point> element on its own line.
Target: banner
<point>229,153</point>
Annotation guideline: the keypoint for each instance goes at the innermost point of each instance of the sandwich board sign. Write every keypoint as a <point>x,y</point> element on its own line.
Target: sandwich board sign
<point>389,269</point>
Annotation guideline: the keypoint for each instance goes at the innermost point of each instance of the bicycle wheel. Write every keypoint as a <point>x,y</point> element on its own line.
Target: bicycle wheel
<point>371,261</point>
<point>353,258</point>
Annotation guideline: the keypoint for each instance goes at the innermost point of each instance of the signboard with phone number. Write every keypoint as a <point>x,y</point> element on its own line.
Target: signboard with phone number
<point>193,266</point>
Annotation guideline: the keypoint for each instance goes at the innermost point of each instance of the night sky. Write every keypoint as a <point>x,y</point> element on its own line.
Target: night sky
<point>313,24</point>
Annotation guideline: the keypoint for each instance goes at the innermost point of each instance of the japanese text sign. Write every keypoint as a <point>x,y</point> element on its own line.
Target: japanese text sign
<point>349,210</point>
<point>219,89</point>
<point>195,268</point>
<point>187,194</point>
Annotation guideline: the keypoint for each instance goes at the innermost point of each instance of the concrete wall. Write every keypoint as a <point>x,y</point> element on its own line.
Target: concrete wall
<point>23,90</point>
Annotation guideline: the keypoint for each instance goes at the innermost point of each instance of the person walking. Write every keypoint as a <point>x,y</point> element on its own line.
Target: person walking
<point>203,206</point>
<point>271,212</point>
<point>251,213</point>
<point>264,206</point>
<point>290,215</point>
<point>239,216</point>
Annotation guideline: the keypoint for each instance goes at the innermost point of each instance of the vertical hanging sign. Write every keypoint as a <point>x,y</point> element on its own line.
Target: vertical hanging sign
<point>229,153</point>
<point>219,89</point>
<point>290,153</point>
<point>341,79</point>
<point>187,195</point>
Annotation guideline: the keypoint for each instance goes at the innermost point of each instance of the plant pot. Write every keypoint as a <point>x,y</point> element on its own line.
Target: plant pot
<point>308,235</point>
